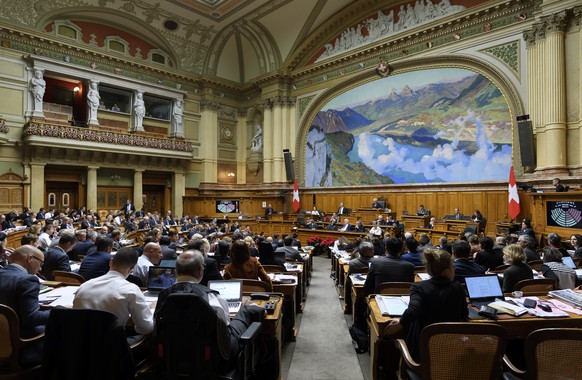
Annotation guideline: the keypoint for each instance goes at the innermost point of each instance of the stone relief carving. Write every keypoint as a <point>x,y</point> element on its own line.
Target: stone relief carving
<point>384,25</point>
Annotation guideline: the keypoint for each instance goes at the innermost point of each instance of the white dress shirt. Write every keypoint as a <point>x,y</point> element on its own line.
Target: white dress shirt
<point>142,269</point>
<point>44,240</point>
<point>114,294</point>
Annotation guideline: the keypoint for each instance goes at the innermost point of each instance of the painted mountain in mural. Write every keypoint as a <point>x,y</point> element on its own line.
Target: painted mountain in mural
<point>438,125</point>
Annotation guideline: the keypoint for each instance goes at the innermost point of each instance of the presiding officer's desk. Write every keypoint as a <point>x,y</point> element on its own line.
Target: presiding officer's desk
<point>383,350</point>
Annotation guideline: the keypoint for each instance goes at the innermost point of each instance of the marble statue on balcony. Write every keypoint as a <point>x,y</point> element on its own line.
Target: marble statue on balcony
<point>93,99</point>
<point>257,142</point>
<point>138,112</point>
<point>37,87</point>
<point>177,119</point>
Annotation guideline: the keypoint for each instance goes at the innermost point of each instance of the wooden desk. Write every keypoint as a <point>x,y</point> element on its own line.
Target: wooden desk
<point>367,215</point>
<point>13,238</point>
<point>414,221</point>
<point>305,233</point>
<point>290,303</point>
<point>382,350</point>
<point>435,234</point>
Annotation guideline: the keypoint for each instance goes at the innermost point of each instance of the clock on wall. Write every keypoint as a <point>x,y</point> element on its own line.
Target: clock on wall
<point>227,133</point>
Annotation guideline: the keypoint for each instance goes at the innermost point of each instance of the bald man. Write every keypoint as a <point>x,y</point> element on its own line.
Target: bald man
<point>19,288</point>
<point>152,254</point>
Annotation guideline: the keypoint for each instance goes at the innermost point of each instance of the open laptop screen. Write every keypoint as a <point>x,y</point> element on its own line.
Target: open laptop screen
<point>229,290</point>
<point>569,262</point>
<point>159,278</point>
<point>483,287</point>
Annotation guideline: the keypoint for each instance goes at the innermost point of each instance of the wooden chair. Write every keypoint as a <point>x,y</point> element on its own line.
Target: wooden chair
<point>535,264</point>
<point>500,269</point>
<point>68,278</point>
<point>462,350</point>
<point>420,269</point>
<point>393,288</point>
<point>251,286</point>
<point>537,286</point>
<point>551,353</point>
<point>11,344</point>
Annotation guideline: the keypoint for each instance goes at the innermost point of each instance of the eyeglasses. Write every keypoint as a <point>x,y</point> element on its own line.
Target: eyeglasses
<point>41,261</point>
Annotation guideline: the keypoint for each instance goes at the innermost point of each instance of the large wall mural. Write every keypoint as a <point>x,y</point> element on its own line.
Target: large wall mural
<point>436,125</point>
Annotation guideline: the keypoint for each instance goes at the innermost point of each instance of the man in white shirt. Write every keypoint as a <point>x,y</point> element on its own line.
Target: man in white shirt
<point>152,254</point>
<point>113,293</point>
<point>46,237</point>
<point>347,227</point>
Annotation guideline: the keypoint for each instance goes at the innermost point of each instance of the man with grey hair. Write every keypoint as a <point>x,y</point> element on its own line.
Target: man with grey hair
<point>555,241</point>
<point>527,243</point>
<point>212,270</point>
<point>189,271</point>
<point>366,251</point>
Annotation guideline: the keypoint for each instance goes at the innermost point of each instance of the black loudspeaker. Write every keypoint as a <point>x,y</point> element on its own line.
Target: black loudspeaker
<point>526,143</point>
<point>288,165</point>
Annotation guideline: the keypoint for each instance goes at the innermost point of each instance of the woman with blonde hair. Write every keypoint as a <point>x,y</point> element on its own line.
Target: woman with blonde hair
<point>518,270</point>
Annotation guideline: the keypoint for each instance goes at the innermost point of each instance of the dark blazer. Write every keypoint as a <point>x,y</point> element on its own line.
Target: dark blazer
<point>490,259</point>
<point>95,264</point>
<point>464,268</point>
<point>532,255</point>
<point>514,274</point>
<point>81,248</point>
<point>55,259</point>
<point>388,269</point>
<point>290,253</point>
<point>436,300</point>
<point>415,258</point>
<point>168,253</point>
<point>19,290</point>
<point>348,228</point>
<point>7,224</point>
<point>211,271</point>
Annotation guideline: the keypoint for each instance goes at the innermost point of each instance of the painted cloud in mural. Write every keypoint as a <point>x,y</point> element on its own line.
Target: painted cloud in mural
<point>438,125</point>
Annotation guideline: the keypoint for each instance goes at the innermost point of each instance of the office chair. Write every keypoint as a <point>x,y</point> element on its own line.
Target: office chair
<point>86,344</point>
<point>551,353</point>
<point>460,350</point>
<point>192,342</point>
<point>12,345</point>
<point>393,288</point>
<point>535,264</point>
<point>68,278</point>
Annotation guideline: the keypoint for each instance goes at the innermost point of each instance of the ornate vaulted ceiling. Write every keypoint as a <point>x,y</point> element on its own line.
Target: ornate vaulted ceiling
<point>234,40</point>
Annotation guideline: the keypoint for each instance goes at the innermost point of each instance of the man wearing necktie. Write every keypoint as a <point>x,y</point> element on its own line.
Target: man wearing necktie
<point>458,215</point>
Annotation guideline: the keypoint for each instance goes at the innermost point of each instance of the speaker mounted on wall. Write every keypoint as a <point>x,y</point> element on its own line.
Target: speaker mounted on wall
<point>289,172</point>
<point>526,141</point>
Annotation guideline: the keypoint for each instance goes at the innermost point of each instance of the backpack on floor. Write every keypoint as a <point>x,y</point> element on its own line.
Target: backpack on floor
<point>359,339</point>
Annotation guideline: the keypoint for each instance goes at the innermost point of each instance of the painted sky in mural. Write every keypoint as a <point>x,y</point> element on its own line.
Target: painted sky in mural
<point>438,125</point>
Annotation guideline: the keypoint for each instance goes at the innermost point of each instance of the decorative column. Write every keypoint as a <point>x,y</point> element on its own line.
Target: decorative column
<point>241,146</point>
<point>290,127</point>
<point>37,199</point>
<point>533,96</point>
<point>554,91</point>
<point>267,142</point>
<point>138,188</point>
<point>578,21</point>
<point>209,146</point>
<point>93,102</point>
<point>278,160</point>
<point>178,191</point>
<point>92,188</point>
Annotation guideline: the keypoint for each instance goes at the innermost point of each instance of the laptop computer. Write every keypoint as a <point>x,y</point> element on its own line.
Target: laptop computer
<point>231,291</point>
<point>159,278</point>
<point>569,262</point>
<point>483,289</point>
<point>170,263</point>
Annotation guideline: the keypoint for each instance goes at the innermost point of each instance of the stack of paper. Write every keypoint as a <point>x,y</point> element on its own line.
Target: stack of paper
<point>393,306</point>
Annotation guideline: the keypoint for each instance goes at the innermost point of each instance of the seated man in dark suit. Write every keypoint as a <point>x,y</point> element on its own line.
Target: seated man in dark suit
<point>96,263</point>
<point>488,257</point>
<point>464,266</point>
<point>190,270</point>
<point>167,252</point>
<point>290,252</point>
<point>359,227</point>
<point>56,258</point>
<point>390,268</point>
<point>19,288</point>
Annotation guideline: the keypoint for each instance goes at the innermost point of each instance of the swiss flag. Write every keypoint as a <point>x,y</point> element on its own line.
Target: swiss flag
<point>296,204</point>
<point>513,207</point>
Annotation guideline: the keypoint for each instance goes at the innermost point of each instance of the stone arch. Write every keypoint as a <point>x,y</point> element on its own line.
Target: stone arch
<point>495,75</point>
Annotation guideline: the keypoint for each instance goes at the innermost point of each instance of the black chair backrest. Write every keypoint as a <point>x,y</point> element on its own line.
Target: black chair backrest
<point>192,342</point>
<point>86,344</point>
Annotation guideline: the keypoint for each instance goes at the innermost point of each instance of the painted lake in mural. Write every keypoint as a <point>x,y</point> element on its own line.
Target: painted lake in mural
<point>438,125</point>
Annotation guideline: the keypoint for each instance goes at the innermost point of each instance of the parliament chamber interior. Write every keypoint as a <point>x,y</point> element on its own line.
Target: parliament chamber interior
<point>290,189</point>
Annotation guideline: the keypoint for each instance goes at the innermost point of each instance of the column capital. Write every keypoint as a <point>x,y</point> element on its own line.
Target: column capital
<point>266,104</point>
<point>529,36</point>
<point>138,171</point>
<point>577,15</point>
<point>93,167</point>
<point>556,22</point>
<point>540,30</point>
<point>208,105</point>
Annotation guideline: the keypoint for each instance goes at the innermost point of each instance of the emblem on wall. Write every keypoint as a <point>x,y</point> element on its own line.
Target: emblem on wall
<point>383,68</point>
